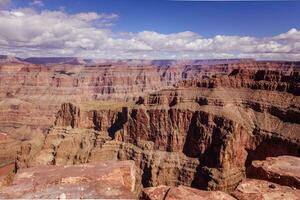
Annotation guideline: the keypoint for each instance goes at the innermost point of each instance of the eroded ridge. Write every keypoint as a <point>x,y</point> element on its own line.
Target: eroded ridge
<point>191,135</point>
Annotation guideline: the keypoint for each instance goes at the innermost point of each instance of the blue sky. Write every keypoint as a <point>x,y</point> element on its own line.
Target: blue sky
<point>152,29</point>
<point>254,18</point>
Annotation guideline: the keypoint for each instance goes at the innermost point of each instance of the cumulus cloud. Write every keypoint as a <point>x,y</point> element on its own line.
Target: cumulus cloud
<point>27,32</point>
<point>37,3</point>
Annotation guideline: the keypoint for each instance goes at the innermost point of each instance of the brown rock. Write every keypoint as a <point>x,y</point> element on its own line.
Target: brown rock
<point>284,170</point>
<point>8,149</point>
<point>6,174</point>
<point>155,193</point>
<point>214,141</point>
<point>198,123</point>
<point>263,190</point>
<point>184,193</point>
<point>94,180</point>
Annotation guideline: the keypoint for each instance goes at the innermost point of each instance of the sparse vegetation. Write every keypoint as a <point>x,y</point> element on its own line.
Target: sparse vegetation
<point>94,105</point>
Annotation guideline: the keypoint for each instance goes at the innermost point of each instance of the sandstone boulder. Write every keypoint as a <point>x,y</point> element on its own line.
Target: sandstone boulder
<point>106,180</point>
<point>184,193</point>
<point>284,170</point>
<point>260,189</point>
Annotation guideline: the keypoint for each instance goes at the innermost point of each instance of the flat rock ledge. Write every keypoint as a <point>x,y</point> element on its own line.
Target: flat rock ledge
<point>182,193</point>
<point>284,170</point>
<point>104,180</point>
<point>264,190</point>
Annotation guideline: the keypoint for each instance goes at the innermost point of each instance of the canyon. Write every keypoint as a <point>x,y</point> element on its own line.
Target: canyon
<point>173,129</point>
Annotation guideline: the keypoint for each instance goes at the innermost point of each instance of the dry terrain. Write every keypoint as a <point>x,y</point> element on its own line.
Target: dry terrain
<point>158,130</point>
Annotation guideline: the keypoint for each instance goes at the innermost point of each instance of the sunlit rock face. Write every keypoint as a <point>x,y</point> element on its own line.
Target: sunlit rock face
<point>182,192</point>
<point>102,180</point>
<point>32,90</point>
<point>284,170</point>
<point>260,189</point>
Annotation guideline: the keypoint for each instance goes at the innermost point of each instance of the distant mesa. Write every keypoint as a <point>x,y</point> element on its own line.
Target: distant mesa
<point>56,60</point>
<point>10,59</point>
<point>131,62</point>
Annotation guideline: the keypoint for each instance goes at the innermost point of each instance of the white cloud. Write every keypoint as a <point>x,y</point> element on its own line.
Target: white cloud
<point>292,34</point>
<point>37,3</point>
<point>27,32</point>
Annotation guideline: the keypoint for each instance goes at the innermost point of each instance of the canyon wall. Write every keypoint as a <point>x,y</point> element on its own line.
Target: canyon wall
<point>203,131</point>
<point>32,90</point>
<point>31,94</point>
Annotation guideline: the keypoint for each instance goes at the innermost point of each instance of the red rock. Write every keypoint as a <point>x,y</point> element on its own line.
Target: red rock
<point>263,190</point>
<point>220,134</point>
<point>93,180</point>
<point>261,79</point>
<point>155,193</point>
<point>8,149</point>
<point>284,170</point>
<point>5,171</point>
<point>183,193</point>
<point>223,115</point>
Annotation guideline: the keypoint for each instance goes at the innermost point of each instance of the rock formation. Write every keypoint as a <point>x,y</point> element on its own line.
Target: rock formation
<point>198,125</point>
<point>259,189</point>
<point>31,93</point>
<point>183,193</point>
<point>284,170</point>
<point>105,180</point>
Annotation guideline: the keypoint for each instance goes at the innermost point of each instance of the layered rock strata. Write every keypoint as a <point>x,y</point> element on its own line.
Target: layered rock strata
<point>31,94</point>
<point>206,145</point>
<point>202,128</point>
<point>74,146</point>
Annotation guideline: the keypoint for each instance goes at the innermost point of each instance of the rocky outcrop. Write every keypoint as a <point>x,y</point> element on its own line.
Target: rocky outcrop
<point>172,145</point>
<point>104,180</point>
<point>65,146</point>
<point>156,167</point>
<point>182,192</point>
<point>259,189</point>
<point>284,170</point>
<point>280,179</point>
<point>31,94</point>
<point>222,129</point>
<point>192,125</point>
